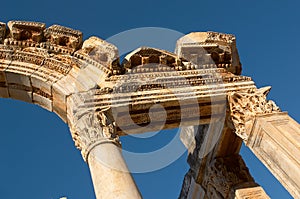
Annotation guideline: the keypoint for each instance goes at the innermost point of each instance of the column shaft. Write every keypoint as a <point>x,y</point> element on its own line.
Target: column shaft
<point>110,174</point>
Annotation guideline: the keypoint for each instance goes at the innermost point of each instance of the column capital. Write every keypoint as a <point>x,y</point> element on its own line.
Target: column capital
<point>245,106</point>
<point>93,128</point>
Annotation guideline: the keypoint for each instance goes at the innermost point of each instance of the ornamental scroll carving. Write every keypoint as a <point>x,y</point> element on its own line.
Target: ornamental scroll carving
<point>245,106</point>
<point>224,175</point>
<point>92,129</point>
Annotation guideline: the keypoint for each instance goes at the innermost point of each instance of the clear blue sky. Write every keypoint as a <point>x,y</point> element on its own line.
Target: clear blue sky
<point>38,157</point>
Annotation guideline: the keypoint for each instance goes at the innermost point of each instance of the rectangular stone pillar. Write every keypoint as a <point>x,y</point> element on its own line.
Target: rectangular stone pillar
<point>218,172</point>
<point>272,135</point>
<point>275,140</point>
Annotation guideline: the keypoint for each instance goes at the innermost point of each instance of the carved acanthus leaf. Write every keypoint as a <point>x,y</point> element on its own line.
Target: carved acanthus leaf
<point>245,106</point>
<point>92,129</point>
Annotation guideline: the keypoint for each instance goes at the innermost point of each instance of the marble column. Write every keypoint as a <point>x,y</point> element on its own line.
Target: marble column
<point>95,135</point>
<point>110,174</point>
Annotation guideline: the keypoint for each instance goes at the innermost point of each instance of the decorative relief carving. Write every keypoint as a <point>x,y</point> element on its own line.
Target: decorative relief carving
<point>101,54</point>
<point>56,65</point>
<point>28,57</point>
<point>224,175</point>
<point>245,106</point>
<point>215,36</point>
<point>2,32</point>
<point>63,36</point>
<point>24,30</point>
<point>210,49</point>
<point>147,59</point>
<point>93,128</point>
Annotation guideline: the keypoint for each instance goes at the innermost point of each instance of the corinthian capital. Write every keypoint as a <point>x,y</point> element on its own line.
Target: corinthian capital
<point>93,128</point>
<point>244,106</point>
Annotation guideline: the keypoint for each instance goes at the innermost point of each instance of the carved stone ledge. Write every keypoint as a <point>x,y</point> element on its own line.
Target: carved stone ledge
<point>245,106</point>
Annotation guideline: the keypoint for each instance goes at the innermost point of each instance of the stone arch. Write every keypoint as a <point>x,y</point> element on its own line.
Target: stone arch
<point>52,67</point>
<point>44,66</point>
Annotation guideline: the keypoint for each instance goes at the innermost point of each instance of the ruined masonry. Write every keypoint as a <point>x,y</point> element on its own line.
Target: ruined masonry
<point>199,86</point>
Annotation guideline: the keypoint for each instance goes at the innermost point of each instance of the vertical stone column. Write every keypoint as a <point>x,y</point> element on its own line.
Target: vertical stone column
<point>224,178</point>
<point>95,135</point>
<point>221,173</point>
<point>272,135</point>
<point>110,174</point>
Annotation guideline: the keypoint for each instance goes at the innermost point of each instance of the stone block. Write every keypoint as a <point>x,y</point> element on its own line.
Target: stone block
<point>42,101</point>
<point>14,78</point>
<point>4,92</point>
<point>22,95</point>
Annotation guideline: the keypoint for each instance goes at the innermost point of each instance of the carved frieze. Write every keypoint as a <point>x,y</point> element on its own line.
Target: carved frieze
<point>244,106</point>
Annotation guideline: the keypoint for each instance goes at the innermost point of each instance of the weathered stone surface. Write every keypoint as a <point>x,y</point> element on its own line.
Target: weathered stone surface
<point>26,31</point>
<point>224,175</point>
<point>62,39</point>
<point>100,99</point>
<point>216,169</point>
<point>2,32</point>
<point>274,139</point>
<point>101,54</point>
<point>145,59</point>
<point>110,173</point>
<point>251,193</point>
<point>91,128</point>
<point>216,49</point>
<point>245,106</point>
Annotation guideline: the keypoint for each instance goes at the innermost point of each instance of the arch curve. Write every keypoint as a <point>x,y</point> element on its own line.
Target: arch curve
<point>44,66</point>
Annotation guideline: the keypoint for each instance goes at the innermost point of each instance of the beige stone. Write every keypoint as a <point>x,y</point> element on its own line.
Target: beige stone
<point>251,193</point>
<point>275,139</point>
<point>109,170</point>
<point>102,99</point>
